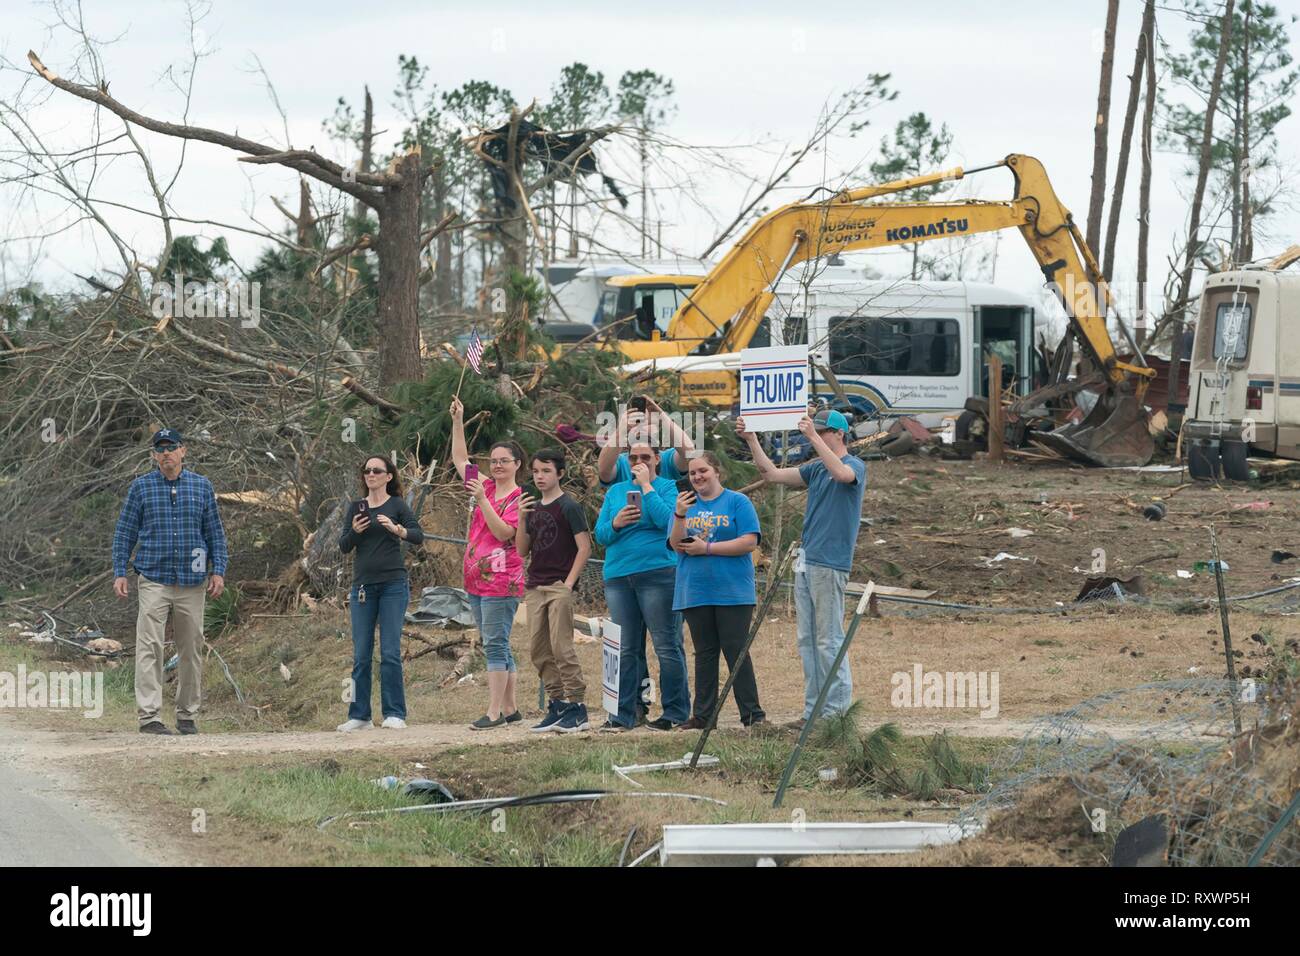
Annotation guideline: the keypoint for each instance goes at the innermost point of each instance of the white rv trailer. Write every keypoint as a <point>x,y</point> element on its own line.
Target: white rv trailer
<point>1244,393</point>
<point>896,346</point>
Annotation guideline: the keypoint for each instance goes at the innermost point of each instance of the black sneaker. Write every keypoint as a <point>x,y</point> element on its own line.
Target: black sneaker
<point>157,727</point>
<point>573,719</point>
<point>487,723</point>
<point>661,723</point>
<point>186,727</point>
<point>514,718</point>
<point>553,711</point>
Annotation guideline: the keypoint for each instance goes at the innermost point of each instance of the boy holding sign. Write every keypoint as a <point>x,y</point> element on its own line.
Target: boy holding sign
<point>835,481</point>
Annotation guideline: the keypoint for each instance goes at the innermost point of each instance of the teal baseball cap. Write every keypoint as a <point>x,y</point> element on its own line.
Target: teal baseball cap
<point>830,420</point>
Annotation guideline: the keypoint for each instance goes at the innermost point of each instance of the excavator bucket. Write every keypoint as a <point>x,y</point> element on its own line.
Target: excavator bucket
<point>1115,433</point>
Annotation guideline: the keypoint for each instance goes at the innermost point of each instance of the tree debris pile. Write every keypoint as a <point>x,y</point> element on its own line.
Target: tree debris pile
<point>1086,774</point>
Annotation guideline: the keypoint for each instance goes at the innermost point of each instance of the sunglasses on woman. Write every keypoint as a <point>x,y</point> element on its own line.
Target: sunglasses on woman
<point>374,471</point>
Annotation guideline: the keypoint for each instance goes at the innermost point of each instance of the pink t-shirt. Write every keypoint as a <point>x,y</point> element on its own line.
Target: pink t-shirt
<point>493,568</point>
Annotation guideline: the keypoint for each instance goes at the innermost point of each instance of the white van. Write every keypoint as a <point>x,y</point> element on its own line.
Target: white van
<point>895,346</point>
<point>1244,393</point>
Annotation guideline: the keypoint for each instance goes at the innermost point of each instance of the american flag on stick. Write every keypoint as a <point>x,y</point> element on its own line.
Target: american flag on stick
<point>473,358</point>
<point>474,353</point>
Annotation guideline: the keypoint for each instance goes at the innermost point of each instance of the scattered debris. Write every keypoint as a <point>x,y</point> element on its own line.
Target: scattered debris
<point>1145,843</point>
<point>706,760</point>
<point>1019,532</point>
<point>749,843</point>
<point>432,789</point>
<point>1155,511</point>
<point>1211,566</point>
<point>1106,587</point>
<point>1000,557</point>
<point>1280,557</point>
<point>1185,574</point>
<point>442,607</point>
<point>488,804</point>
<point>285,672</point>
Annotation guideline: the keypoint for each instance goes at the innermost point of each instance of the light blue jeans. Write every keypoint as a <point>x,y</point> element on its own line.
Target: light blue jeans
<point>495,617</point>
<point>819,610</point>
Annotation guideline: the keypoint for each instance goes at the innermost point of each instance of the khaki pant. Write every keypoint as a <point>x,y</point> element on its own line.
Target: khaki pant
<point>550,632</point>
<point>185,606</point>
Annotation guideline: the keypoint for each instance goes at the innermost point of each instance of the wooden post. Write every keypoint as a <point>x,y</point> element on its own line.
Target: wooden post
<point>995,408</point>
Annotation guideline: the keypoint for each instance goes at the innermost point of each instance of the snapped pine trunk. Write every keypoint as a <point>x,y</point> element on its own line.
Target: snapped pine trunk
<point>398,249</point>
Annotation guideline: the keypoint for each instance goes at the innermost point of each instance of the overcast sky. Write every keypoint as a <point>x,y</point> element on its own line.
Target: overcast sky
<point>1011,77</point>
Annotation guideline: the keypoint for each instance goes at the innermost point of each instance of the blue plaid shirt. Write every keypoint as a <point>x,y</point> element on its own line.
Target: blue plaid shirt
<point>177,526</point>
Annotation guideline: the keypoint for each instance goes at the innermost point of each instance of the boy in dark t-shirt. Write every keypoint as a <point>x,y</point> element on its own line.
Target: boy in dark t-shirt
<point>553,532</point>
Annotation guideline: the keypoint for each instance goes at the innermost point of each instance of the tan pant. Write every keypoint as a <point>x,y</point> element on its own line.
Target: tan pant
<point>550,631</point>
<point>185,606</point>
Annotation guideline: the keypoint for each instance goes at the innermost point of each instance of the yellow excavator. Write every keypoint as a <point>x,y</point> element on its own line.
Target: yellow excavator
<point>724,311</point>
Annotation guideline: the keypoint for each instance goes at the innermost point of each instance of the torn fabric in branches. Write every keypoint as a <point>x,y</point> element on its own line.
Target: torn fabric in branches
<point>552,150</point>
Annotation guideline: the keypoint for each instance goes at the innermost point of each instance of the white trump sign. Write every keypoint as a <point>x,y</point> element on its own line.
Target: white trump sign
<point>774,387</point>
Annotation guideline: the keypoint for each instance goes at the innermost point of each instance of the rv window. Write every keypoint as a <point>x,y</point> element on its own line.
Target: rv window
<point>876,346</point>
<point>1223,329</point>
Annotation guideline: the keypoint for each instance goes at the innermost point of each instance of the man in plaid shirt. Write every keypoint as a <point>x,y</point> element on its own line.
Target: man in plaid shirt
<point>172,514</point>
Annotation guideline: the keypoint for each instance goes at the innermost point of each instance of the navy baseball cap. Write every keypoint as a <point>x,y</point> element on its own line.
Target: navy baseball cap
<point>830,420</point>
<point>166,436</point>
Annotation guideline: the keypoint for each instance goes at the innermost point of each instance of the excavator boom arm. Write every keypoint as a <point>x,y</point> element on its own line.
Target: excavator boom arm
<point>740,288</point>
<point>735,295</point>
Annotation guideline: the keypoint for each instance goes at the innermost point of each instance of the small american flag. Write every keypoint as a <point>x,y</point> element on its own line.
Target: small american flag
<point>474,354</point>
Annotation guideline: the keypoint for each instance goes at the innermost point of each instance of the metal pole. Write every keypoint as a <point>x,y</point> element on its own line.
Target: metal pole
<point>821,697</point>
<point>1227,635</point>
<point>774,585</point>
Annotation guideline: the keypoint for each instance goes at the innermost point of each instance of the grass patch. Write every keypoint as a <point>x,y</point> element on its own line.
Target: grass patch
<point>279,801</point>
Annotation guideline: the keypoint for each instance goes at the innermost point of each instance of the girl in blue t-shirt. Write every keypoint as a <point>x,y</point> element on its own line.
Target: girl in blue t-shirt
<point>714,531</point>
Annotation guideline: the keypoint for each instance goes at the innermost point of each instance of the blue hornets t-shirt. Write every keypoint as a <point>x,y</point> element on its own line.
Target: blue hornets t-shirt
<point>831,517</point>
<point>714,578</point>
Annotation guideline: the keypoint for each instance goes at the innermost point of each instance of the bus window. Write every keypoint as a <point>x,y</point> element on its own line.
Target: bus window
<point>876,346</point>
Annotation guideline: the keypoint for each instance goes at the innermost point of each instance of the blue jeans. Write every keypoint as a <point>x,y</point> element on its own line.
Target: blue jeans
<point>495,617</point>
<point>638,602</point>
<point>386,603</point>
<point>819,611</point>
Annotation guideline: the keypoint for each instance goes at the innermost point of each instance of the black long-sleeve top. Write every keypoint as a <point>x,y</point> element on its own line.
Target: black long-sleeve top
<point>379,552</point>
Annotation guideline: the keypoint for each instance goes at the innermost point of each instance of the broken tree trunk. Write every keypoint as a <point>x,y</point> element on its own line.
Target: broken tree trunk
<point>1194,226</point>
<point>1144,187</point>
<point>1125,142</point>
<point>1101,129</point>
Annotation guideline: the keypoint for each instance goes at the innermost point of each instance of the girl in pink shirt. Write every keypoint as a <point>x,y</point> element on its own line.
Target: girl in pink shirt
<point>494,572</point>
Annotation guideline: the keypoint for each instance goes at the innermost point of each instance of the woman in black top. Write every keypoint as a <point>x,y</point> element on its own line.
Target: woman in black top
<point>380,590</point>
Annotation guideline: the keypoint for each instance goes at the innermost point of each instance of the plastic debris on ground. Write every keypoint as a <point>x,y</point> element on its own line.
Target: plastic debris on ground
<point>1000,557</point>
<point>1110,588</point>
<point>442,607</point>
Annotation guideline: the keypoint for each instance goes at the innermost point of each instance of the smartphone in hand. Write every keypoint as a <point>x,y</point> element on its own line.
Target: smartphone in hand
<point>684,484</point>
<point>471,472</point>
<point>637,403</point>
<point>634,499</point>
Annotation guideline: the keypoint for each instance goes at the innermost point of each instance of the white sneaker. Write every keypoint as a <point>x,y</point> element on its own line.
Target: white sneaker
<point>349,726</point>
<point>394,723</point>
